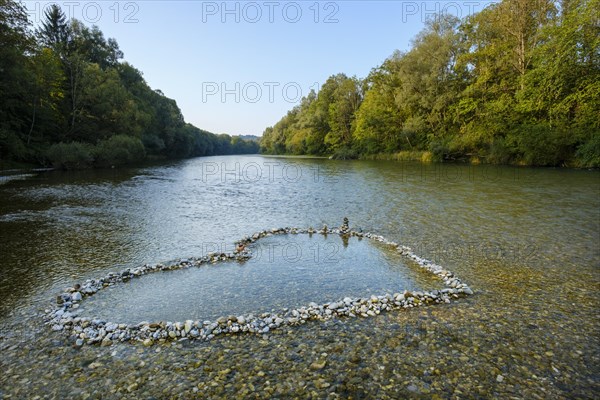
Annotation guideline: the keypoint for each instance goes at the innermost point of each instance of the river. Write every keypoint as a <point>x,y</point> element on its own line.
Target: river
<point>526,240</point>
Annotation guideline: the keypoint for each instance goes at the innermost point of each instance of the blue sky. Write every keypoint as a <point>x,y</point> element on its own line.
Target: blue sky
<point>237,67</point>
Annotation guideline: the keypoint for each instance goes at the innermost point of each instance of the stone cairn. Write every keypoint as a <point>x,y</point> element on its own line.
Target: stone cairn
<point>83,330</point>
<point>344,229</point>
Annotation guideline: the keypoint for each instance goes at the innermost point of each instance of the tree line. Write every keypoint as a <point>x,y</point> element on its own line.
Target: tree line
<point>516,83</point>
<point>68,99</point>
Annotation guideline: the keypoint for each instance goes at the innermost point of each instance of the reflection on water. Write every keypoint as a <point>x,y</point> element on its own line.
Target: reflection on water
<point>15,177</point>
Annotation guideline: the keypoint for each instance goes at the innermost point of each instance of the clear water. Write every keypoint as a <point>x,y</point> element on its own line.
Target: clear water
<point>287,271</point>
<point>527,240</point>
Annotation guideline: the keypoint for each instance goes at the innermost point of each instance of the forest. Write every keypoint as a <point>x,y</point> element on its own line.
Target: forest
<point>517,83</point>
<point>68,100</point>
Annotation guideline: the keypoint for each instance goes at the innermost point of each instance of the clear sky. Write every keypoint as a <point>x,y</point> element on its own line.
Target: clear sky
<point>237,67</point>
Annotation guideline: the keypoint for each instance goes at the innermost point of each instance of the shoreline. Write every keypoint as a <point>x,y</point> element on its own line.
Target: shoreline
<point>421,158</point>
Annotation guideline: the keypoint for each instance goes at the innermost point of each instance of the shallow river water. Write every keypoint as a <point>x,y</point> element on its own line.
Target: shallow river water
<point>285,272</point>
<point>527,241</point>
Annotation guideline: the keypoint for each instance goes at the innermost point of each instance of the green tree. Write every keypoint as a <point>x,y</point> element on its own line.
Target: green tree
<point>105,107</point>
<point>380,120</point>
<point>92,45</point>
<point>67,99</point>
<point>54,32</point>
<point>16,43</point>
<point>47,96</point>
<point>347,97</point>
<point>430,80</point>
<point>501,41</point>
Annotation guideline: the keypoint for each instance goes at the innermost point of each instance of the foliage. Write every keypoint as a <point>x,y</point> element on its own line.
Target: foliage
<point>345,153</point>
<point>119,150</point>
<point>588,153</point>
<point>518,82</point>
<point>68,99</point>
<point>72,155</point>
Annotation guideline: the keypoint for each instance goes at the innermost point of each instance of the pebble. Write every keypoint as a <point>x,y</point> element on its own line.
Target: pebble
<point>110,327</point>
<point>322,384</point>
<point>148,333</point>
<point>412,388</point>
<point>318,365</point>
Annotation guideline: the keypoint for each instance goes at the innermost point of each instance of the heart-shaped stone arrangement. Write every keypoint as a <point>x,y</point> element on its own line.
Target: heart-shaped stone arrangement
<point>84,330</point>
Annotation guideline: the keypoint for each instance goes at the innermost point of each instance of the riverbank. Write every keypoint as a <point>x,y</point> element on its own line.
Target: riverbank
<point>429,157</point>
<point>422,156</point>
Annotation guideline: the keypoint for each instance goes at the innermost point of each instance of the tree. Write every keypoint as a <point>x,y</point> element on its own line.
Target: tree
<point>54,32</point>
<point>105,107</point>
<point>16,43</point>
<point>347,97</point>
<point>517,82</point>
<point>93,46</point>
<point>379,120</point>
<point>47,95</point>
<point>562,91</point>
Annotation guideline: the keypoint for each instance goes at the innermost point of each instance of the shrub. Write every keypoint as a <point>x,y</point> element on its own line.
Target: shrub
<point>345,153</point>
<point>588,154</point>
<point>11,146</point>
<point>119,150</point>
<point>72,155</point>
<point>427,157</point>
<point>438,150</point>
<point>541,145</point>
<point>153,144</point>
<point>499,152</point>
